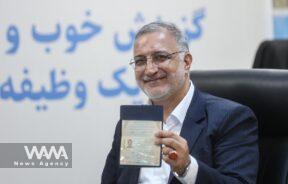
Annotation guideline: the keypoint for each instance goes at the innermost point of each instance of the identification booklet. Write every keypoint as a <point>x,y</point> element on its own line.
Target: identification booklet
<point>139,123</point>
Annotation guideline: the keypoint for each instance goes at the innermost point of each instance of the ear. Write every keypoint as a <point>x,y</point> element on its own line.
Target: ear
<point>188,61</point>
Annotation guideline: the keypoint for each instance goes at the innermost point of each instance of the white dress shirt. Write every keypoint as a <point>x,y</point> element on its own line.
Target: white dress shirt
<point>160,175</point>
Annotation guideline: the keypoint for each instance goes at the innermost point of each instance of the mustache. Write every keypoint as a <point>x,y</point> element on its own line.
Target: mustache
<point>146,78</point>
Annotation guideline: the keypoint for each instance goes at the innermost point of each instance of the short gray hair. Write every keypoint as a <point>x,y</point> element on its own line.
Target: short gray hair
<point>172,28</point>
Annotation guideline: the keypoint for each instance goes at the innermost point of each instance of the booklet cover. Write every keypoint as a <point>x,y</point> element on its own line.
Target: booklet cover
<point>139,123</point>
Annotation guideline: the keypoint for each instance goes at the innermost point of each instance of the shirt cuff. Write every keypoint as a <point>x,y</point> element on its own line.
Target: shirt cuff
<point>190,177</point>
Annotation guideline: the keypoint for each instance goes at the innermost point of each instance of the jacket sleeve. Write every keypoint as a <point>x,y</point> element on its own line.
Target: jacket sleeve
<point>235,152</point>
<point>110,171</point>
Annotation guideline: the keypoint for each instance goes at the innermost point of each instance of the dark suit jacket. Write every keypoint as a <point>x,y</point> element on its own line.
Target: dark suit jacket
<point>221,135</point>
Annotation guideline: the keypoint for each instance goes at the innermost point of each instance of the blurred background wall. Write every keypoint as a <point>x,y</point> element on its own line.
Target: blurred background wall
<point>64,67</point>
<point>280,19</point>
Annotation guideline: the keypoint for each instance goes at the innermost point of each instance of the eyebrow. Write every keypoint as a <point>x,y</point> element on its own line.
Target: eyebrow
<point>156,52</point>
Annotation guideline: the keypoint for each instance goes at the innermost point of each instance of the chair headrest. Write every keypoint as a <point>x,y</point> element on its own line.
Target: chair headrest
<point>272,54</point>
<point>265,91</point>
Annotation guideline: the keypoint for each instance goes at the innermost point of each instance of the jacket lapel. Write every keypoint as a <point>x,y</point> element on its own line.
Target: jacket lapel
<point>134,175</point>
<point>192,126</point>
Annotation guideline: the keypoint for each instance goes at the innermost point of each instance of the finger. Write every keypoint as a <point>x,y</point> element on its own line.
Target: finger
<point>170,142</point>
<point>166,150</point>
<point>168,160</point>
<point>168,134</point>
<point>157,141</point>
<point>164,134</point>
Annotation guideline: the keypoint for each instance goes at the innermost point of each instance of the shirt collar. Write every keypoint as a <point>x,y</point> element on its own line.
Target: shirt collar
<point>181,109</point>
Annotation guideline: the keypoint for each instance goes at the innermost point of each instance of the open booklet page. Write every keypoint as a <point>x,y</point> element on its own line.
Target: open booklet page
<point>137,143</point>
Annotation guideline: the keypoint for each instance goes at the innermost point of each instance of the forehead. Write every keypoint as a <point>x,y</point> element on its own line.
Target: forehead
<point>161,40</point>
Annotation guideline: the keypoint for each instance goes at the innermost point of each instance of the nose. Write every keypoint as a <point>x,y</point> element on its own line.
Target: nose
<point>151,68</point>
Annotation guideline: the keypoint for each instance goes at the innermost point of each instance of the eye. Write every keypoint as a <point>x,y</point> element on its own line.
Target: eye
<point>161,57</point>
<point>140,61</point>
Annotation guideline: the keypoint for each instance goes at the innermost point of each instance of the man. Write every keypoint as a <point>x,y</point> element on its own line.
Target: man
<point>213,140</point>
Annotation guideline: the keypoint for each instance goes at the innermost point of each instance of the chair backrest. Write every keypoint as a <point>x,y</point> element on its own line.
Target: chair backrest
<point>272,54</point>
<point>265,91</point>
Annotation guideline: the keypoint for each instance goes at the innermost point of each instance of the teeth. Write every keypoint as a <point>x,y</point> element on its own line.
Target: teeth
<point>148,79</point>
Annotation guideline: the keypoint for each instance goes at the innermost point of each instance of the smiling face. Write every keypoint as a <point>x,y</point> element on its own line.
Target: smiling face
<point>164,81</point>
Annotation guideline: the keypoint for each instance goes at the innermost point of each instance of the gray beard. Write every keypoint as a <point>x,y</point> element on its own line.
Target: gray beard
<point>155,97</point>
